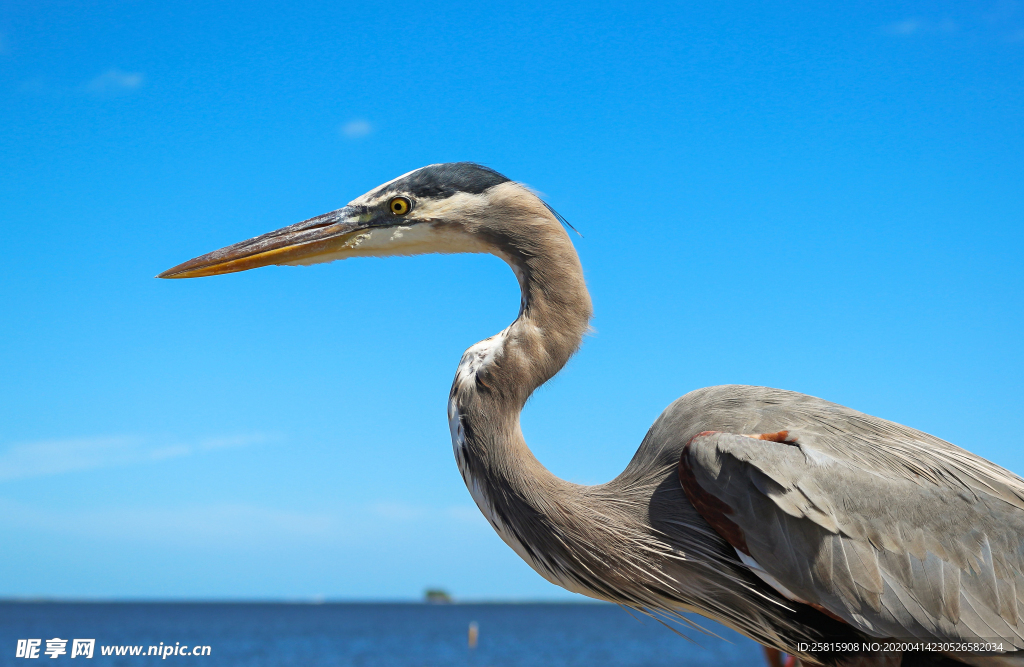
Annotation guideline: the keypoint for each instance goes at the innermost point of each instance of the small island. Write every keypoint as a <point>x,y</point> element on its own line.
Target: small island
<point>437,596</point>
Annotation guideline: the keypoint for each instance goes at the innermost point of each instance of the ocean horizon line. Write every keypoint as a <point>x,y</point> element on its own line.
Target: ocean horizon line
<point>312,601</point>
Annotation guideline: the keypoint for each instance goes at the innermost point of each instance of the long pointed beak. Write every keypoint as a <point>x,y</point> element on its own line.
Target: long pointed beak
<point>316,236</point>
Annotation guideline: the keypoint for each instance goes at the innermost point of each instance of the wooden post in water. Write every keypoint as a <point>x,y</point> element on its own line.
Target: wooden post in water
<point>474,633</point>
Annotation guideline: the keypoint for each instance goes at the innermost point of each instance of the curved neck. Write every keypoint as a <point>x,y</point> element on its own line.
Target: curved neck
<point>497,375</point>
<point>595,540</point>
<point>554,314</point>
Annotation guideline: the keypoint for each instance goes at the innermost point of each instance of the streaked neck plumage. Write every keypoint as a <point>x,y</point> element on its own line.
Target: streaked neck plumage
<point>497,375</point>
<point>595,540</point>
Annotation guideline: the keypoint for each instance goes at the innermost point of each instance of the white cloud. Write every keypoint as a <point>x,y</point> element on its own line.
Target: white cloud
<point>465,513</point>
<point>911,26</point>
<point>53,457</point>
<point>235,523</point>
<point>403,512</point>
<point>356,129</point>
<point>217,523</point>
<point>115,80</point>
<point>171,452</point>
<point>905,27</point>
<point>398,511</point>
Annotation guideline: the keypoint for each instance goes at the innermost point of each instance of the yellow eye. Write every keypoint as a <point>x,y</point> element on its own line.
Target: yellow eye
<point>399,205</point>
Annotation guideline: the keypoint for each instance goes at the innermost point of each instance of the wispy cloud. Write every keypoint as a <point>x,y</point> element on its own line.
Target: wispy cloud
<point>998,21</point>
<point>221,523</point>
<point>913,25</point>
<point>904,27</point>
<point>54,457</point>
<point>404,512</point>
<point>356,129</point>
<point>237,523</point>
<point>115,80</point>
<point>35,459</point>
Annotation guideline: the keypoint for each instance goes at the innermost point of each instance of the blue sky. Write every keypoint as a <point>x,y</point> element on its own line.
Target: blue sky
<point>820,198</point>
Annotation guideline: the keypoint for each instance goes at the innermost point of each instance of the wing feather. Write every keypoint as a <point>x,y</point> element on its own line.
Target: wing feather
<point>918,546</point>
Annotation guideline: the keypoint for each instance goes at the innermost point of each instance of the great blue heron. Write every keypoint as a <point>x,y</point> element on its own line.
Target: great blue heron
<point>810,527</point>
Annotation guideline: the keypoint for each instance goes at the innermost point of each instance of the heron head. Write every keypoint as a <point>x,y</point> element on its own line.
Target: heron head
<point>443,208</point>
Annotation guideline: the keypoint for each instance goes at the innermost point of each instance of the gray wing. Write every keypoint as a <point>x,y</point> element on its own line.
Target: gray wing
<point>894,531</point>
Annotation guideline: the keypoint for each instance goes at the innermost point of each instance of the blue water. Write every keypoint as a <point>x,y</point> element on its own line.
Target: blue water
<point>393,635</point>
